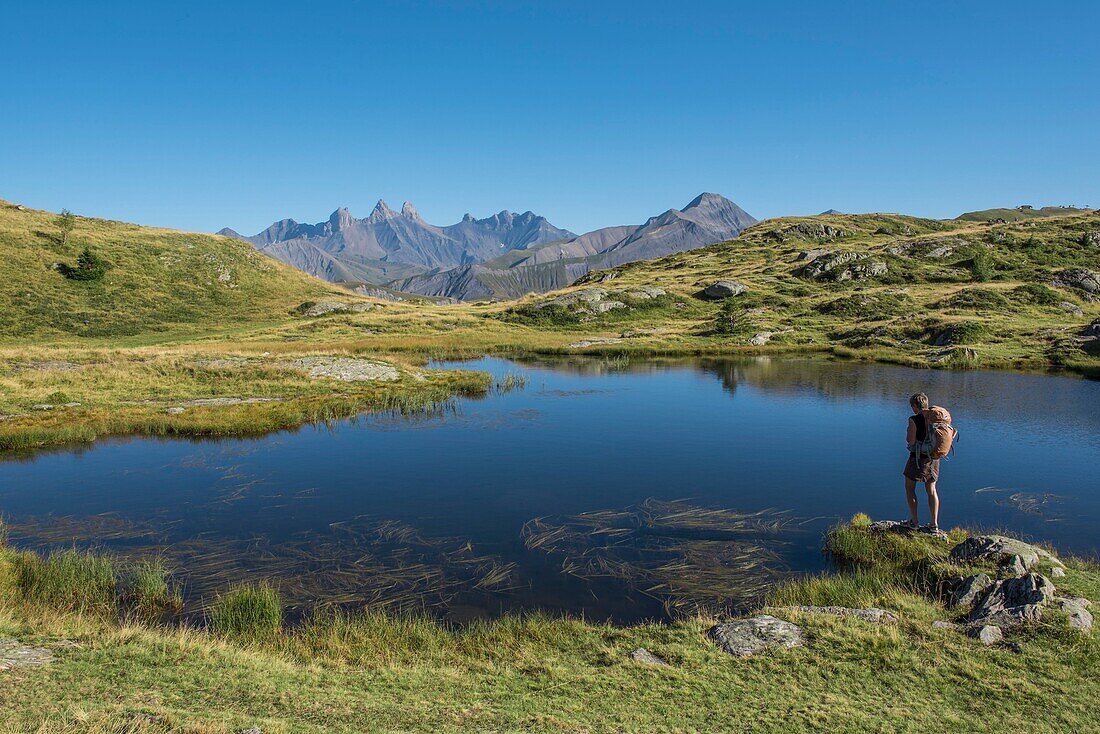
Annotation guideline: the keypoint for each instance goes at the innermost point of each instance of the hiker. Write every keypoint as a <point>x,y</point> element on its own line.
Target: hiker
<point>921,467</point>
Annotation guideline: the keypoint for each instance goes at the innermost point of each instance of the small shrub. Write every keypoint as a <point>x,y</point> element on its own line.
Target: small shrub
<point>65,222</point>
<point>59,398</point>
<point>731,320</point>
<point>981,267</point>
<point>962,332</point>
<point>89,267</point>
<point>250,611</point>
<point>68,581</point>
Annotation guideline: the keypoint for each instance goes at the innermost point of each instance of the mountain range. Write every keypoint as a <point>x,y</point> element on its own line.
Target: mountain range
<point>502,256</point>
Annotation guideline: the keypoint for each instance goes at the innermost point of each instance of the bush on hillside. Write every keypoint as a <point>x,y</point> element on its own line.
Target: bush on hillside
<point>981,267</point>
<point>89,267</point>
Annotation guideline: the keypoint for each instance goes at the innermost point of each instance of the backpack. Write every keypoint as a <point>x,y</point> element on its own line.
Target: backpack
<point>939,434</point>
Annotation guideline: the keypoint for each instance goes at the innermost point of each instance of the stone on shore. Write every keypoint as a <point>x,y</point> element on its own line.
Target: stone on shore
<point>1000,549</point>
<point>746,637</point>
<point>1014,601</point>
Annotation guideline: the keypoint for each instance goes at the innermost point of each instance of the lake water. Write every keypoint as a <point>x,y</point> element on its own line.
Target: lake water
<point>619,490</point>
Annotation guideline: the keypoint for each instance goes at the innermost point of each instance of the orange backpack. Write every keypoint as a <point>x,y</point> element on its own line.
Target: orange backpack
<point>939,434</point>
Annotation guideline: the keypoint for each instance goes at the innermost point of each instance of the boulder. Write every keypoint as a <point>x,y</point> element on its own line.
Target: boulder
<point>1092,329</point>
<point>641,655</point>
<point>1078,610</point>
<point>760,338</point>
<point>1014,601</point>
<point>999,549</point>
<point>1012,568</point>
<point>841,266</point>
<point>1071,308</point>
<point>1057,573</point>
<point>745,637</point>
<point>969,590</point>
<point>605,306</point>
<point>324,308</point>
<point>989,634</point>
<point>811,254</point>
<point>871,614</point>
<point>646,293</point>
<point>940,624</point>
<point>724,289</point>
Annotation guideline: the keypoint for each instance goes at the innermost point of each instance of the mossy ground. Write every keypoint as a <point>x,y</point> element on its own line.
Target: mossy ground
<point>373,672</point>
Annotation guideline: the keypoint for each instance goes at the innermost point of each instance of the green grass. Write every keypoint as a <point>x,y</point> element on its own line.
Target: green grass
<point>345,671</point>
<point>251,611</point>
<point>67,581</point>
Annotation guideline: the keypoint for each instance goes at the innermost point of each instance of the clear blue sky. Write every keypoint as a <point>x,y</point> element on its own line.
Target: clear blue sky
<point>201,115</point>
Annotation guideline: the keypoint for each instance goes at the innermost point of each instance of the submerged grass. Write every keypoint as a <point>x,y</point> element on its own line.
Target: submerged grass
<point>343,671</point>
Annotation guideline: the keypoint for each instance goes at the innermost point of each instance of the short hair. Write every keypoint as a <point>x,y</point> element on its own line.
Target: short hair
<point>919,400</point>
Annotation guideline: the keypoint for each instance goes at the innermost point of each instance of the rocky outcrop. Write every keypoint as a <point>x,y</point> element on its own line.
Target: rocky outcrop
<point>999,549</point>
<point>723,289</point>
<point>347,369</point>
<point>806,231</point>
<point>747,637</point>
<point>1080,279</point>
<point>1092,330</point>
<point>595,301</point>
<point>1014,601</point>
<point>840,266</point>
<point>1071,308</point>
<point>14,654</point>
<point>969,590</point>
<point>1077,609</point>
<point>324,308</point>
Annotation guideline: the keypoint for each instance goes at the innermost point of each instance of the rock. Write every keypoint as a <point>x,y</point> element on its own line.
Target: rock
<point>1014,601</point>
<point>940,624</point>
<point>941,252</point>
<point>175,410</point>
<point>1077,608</point>
<point>641,655</point>
<point>594,342</point>
<point>1071,308</point>
<point>1012,568</point>
<point>969,590</point>
<point>1057,573</point>
<point>1092,329</point>
<point>896,526</point>
<point>251,730</point>
<point>605,306</point>
<point>646,293</point>
<point>347,369</point>
<point>745,637</point>
<point>963,353</point>
<point>1081,279</point>
<point>843,266</point>
<point>365,290</point>
<point>811,254</point>
<point>42,406</point>
<point>323,308</point>
<point>14,654</point>
<point>807,231</point>
<point>871,614</point>
<point>999,549</point>
<point>989,634</point>
<point>218,402</point>
<point>761,338</point>
<point>724,289</point>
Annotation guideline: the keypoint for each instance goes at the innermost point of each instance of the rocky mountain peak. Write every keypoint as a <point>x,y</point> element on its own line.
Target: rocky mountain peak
<point>381,212</point>
<point>340,218</point>
<point>409,210</point>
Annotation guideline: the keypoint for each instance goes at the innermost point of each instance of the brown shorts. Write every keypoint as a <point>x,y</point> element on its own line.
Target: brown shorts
<point>922,469</point>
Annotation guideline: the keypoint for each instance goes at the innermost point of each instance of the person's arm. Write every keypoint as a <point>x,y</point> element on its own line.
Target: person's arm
<point>911,432</point>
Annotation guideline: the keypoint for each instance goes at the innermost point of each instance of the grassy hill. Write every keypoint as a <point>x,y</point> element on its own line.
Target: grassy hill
<point>1020,213</point>
<point>888,287</point>
<point>157,280</point>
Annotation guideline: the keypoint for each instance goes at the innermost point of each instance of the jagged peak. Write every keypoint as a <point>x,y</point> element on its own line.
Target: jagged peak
<point>340,218</point>
<point>409,210</point>
<point>708,198</point>
<point>468,217</point>
<point>381,212</point>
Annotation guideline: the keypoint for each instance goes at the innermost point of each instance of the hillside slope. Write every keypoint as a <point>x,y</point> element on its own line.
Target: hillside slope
<point>158,279</point>
<point>919,291</point>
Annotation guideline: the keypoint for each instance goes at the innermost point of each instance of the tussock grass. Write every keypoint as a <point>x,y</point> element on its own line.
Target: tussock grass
<point>249,611</point>
<point>68,580</point>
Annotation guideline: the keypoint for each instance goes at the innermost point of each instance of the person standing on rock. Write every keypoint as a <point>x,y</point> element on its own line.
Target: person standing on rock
<point>920,467</point>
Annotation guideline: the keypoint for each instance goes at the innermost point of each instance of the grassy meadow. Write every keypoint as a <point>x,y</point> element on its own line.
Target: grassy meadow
<point>117,667</point>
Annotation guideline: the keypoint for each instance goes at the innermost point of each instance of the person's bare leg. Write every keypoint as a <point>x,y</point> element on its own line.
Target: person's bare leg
<point>933,503</point>
<point>911,498</point>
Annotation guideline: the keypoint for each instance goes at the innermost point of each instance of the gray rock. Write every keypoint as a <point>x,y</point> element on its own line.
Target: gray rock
<point>347,369</point>
<point>42,406</point>
<point>841,266</point>
<point>940,624</point>
<point>1071,308</point>
<point>811,254</point>
<point>1012,568</point>
<point>745,637</point>
<point>646,293</point>
<point>989,634</point>
<point>1014,601</point>
<point>251,730</point>
<point>969,590</point>
<point>896,526</point>
<point>175,410</point>
<point>1077,608</point>
<point>320,308</point>
<point>14,654</point>
<point>761,338</point>
<point>594,342</point>
<point>1092,329</point>
<point>605,306</point>
<point>641,655</point>
<point>999,549</point>
<point>871,614</point>
<point>724,289</point>
<point>1057,573</point>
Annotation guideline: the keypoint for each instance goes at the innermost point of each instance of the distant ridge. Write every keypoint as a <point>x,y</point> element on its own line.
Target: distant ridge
<point>707,219</point>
